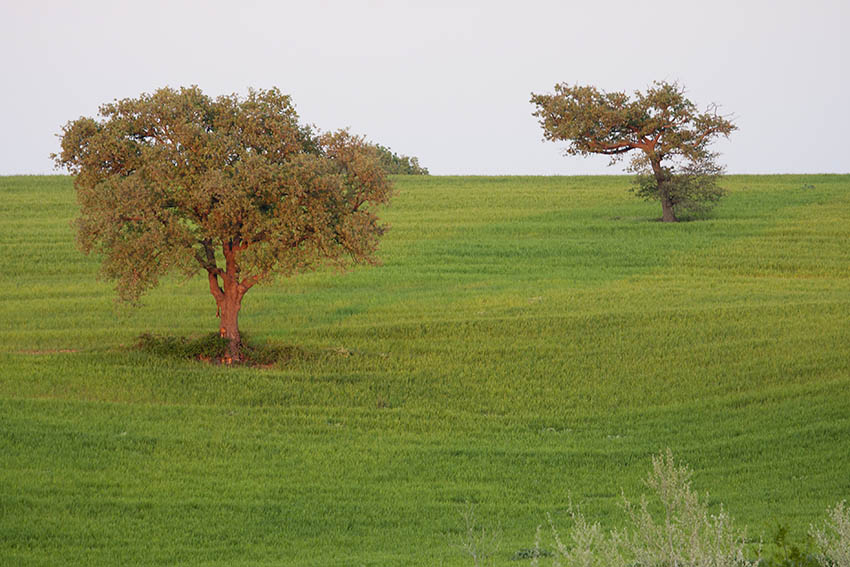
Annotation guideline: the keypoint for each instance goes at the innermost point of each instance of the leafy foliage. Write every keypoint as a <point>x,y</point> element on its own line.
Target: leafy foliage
<point>694,189</point>
<point>235,187</point>
<point>673,165</point>
<point>397,164</point>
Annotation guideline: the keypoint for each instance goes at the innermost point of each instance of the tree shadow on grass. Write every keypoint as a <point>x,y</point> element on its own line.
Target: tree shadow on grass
<point>213,349</point>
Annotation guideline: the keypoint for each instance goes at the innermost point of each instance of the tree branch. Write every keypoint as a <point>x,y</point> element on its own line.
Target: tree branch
<point>249,282</point>
<point>215,289</point>
<point>702,138</point>
<point>610,149</point>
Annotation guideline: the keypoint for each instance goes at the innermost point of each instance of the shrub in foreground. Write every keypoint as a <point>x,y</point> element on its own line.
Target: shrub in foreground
<point>674,529</point>
<point>833,538</point>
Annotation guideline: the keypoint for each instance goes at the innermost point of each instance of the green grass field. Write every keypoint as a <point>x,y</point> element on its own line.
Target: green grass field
<point>527,340</point>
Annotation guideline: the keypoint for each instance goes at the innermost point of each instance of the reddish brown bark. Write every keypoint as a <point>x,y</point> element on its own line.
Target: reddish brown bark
<point>229,325</point>
<point>228,292</point>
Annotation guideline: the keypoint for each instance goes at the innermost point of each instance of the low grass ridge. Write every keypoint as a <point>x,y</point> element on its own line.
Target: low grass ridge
<point>525,341</point>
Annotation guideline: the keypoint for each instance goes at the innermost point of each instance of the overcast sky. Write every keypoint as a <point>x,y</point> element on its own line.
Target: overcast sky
<point>448,82</point>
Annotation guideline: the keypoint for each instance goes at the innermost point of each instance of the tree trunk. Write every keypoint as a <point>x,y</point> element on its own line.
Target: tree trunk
<point>229,307</point>
<point>661,179</point>
<point>667,214</point>
<point>228,299</point>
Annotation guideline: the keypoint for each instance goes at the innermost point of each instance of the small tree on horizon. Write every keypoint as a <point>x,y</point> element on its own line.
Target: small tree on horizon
<point>232,187</point>
<point>397,164</point>
<point>673,164</point>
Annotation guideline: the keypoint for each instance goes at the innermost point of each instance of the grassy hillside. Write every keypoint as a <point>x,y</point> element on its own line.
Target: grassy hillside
<point>526,341</point>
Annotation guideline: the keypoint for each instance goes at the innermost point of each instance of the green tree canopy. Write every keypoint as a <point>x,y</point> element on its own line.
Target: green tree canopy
<point>674,164</point>
<point>232,187</point>
<point>399,164</point>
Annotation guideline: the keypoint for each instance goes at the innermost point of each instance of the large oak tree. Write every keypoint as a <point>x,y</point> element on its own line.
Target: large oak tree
<point>231,187</point>
<point>673,162</point>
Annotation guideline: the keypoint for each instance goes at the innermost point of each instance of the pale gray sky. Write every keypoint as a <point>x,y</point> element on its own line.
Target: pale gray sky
<point>449,81</point>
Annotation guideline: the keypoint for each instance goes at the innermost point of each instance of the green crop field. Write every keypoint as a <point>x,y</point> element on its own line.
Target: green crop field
<point>527,341</point>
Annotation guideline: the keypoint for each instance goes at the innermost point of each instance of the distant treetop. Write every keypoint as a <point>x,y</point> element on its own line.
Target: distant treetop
<point>397,164</point>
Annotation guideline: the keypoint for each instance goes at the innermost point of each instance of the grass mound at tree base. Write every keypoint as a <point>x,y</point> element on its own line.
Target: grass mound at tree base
<point>212,348</point>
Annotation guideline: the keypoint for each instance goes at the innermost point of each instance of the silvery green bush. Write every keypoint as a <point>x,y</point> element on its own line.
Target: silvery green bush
<point>833,538</point>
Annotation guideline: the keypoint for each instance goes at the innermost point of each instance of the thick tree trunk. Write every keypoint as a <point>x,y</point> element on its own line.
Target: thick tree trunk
<point>228,299</point>
<point>667,214</point>
<point>229,324</point>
